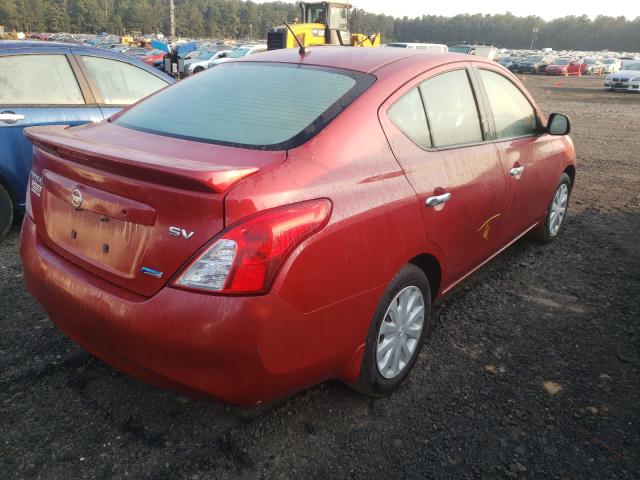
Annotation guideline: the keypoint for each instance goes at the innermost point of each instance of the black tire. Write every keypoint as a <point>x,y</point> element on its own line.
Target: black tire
<point>6,212</point>
<point>198,70</point>
<point>543,233</point>
<point>370,381</point>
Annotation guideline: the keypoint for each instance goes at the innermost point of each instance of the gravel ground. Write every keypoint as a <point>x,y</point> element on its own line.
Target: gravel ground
<point>532,369</point>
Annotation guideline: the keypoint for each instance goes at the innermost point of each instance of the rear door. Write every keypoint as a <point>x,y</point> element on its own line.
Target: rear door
<point>440,140</point>
<point>37,89</point>
<point>526,155</point>
<point>116,83</point>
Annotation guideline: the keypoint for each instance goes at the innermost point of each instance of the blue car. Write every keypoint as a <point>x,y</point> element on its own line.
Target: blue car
<point>46,83</point>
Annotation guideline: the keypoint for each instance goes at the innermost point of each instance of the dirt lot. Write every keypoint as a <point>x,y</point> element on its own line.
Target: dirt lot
<point>532,370</point>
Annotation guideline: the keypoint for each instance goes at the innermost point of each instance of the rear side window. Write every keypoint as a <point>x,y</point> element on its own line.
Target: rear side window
<point>513,115</point>
<point>254,105</point>
<point>408,115</point>
<point>451,107</point>
<point>38,80</point>
<point>120,83</point>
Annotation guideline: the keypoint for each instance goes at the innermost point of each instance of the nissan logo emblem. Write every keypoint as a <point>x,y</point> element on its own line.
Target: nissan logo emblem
<point>76,198</point>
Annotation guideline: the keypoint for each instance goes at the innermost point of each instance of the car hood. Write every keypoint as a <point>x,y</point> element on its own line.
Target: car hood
<point>221,60</point>
<point>628,73</point>
<point>196,63</point>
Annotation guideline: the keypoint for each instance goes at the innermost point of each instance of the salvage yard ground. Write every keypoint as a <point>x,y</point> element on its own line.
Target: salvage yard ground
<point>532,369</point>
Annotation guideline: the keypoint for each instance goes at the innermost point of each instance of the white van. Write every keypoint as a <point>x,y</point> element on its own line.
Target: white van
<point>429,47</point>
<point>485,51</point>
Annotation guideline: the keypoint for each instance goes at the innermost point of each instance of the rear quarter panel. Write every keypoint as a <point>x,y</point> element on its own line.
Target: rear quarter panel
<point>337,276</point>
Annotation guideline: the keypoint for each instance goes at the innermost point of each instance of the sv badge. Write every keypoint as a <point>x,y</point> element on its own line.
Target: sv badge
<point>180,232</point>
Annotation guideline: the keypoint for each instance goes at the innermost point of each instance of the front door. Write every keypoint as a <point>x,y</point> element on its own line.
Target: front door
<point>436,133</point>
<point>524,153</point>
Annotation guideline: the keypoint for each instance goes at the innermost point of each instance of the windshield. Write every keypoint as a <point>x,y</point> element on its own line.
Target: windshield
<point>633,66</point>
<point>397,45</point>
<point>264,106</point>
<point>206,55</point>
<point>533,59</point>
<point>589,61</point>
<point>609,61</point>
<point>460,49</point>
<point>562,61</point>
<point>316,14</point>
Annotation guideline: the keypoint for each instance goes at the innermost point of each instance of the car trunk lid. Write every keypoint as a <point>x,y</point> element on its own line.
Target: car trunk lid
<point>132,207</point>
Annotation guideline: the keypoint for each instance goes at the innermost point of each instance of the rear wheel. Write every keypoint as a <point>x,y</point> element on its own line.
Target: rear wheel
<point>397,332</point>
<point>6,212</point>
<point>198,70</point>
<point>549,230</point>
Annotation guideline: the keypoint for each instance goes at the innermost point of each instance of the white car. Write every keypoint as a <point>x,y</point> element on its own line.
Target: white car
<point>198,61</point>
<point>238,52</point>
<point>612,65</point>
<point>219,55</point>
<point>627,80</point>
<point>429,47</point>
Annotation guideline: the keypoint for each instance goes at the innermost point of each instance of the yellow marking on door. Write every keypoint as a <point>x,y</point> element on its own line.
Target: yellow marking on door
<point>486,226</point>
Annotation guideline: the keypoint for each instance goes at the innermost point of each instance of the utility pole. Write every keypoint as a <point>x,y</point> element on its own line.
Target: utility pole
<point>172,18</point>
<point>533,38</point>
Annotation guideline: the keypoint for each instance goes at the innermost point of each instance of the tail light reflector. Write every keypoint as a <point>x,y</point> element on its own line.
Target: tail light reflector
<point>246,257</point>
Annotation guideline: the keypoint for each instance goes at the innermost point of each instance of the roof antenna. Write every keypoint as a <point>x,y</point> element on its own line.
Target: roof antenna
<point>302,50</point>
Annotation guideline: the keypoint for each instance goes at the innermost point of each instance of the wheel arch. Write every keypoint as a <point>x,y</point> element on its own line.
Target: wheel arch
<point>430,265</point>
<point>9,187</point>
<point>571,171</point>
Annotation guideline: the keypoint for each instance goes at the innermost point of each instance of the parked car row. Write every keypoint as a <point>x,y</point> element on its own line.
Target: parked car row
<point>564,63</point>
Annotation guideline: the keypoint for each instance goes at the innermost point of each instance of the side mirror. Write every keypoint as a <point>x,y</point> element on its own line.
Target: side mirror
<point>558,124</point>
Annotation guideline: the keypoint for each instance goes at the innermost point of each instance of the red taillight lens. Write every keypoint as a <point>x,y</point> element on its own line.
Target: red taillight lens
<point>245,258</point>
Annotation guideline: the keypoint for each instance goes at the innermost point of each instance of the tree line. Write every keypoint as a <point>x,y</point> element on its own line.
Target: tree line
<point>247,19</point>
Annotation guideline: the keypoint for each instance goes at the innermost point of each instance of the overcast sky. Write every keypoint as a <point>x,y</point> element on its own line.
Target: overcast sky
<point>546,9</point>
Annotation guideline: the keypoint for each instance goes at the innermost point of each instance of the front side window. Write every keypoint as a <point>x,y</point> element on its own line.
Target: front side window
<point>38,80</point>
<point>513,115</point>
<point>408,115</point>
<point>120,83</point>
<point>452,113</point>
<point>264,106</point>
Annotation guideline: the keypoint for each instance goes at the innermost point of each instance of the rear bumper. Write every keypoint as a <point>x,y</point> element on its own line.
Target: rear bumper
<point>241,350</point>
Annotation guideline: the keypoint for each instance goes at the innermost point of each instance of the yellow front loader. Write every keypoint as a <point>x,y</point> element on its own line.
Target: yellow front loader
<point>322,23</point>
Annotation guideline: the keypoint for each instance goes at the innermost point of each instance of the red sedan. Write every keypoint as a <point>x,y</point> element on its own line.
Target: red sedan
<point>296,225</point>
<point>153,57</point>
<point>567,66</point>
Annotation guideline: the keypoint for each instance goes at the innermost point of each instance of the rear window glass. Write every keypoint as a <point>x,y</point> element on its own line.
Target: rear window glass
<point>255,105</point>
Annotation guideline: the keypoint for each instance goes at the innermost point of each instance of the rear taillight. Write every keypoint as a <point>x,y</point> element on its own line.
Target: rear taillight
<point>246,257</point>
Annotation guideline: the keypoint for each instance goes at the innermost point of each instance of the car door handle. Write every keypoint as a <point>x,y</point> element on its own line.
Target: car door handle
<point>437,200</point>
<point>10,117</point>
<point>515,171</point>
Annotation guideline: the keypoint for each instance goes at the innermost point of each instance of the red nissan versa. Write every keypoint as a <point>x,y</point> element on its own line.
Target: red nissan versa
<point>296,225</point>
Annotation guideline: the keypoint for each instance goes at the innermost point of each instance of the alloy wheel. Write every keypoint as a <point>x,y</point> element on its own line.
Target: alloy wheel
<point>400,332</point>
<point>558,209</point>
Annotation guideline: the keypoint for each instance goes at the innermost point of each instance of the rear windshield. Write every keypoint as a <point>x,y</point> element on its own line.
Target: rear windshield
<point>255,105</point>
